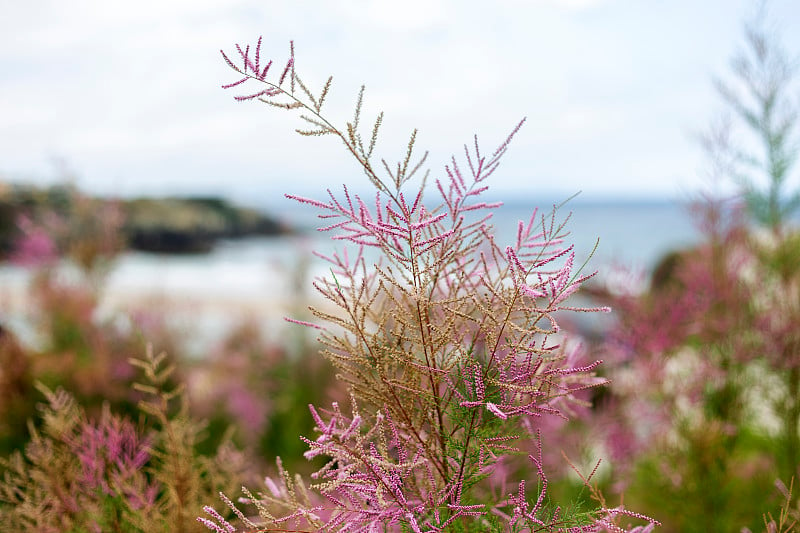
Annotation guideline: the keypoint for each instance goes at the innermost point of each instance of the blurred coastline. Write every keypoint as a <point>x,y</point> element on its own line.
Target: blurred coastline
<point>263,279</point>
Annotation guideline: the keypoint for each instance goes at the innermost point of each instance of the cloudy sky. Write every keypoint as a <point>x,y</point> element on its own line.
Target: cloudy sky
<point>126,97</point>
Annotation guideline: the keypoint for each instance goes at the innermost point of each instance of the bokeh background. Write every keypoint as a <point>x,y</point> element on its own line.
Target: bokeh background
<point>141,205</point>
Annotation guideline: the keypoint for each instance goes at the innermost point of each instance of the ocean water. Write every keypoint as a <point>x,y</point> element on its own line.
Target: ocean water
<point>625,233</point>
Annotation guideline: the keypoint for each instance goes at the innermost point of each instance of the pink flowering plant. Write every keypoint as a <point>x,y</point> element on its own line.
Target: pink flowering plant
<point>115,473</point>
<point>703,413</point>
<point>447,341</point>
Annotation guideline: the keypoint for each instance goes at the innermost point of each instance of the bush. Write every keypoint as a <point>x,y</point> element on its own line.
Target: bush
<point>447,343</point>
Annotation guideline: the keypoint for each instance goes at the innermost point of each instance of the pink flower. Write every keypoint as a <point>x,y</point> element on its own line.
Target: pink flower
<point>35,247</point>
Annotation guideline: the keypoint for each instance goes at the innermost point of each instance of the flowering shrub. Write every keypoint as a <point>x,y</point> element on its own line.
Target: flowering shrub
<point>88,460</point>
<point>679,423</point>
<point>36,245</point>
<point>109,473</point>
<point>82,344</point>
<point>446,339</point>
<point>84,230</point>
<point>704,407</point>
<point>69,251</point>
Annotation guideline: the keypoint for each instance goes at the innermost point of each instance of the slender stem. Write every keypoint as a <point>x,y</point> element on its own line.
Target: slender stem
<point>363,161</point>
<point>438,460</point>
<point>791,420</point>
<point>430,360</point>
<point>469,432</point>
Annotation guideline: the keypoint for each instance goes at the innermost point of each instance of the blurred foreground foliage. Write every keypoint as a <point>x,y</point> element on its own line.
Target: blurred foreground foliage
<point>97,433</point>
<point>700,420</point>
<point>114,472</point>
<point>702,417</point>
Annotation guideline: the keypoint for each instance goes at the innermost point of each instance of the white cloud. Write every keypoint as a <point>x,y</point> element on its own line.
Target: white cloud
<point>409,15</point>
<point>573,4</point>
<point>131,90</point>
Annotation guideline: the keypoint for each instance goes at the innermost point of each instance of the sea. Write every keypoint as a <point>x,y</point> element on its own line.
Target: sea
<point>267,278</point>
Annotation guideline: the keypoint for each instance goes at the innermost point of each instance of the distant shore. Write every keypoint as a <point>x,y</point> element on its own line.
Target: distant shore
<point>174,225</point>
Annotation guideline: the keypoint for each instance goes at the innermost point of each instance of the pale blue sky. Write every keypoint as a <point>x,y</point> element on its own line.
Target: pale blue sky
<point>128,94</point>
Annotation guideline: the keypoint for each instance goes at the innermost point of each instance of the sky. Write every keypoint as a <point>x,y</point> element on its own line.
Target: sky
<point>125,98</point>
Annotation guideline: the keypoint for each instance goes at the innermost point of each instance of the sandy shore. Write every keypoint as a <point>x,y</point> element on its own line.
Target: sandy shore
<point>198,300</point>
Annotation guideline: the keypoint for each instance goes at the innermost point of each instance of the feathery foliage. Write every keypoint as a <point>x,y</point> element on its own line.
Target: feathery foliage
<point>761,95</point>
<point>447,340</point>
<point>80,474</point>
